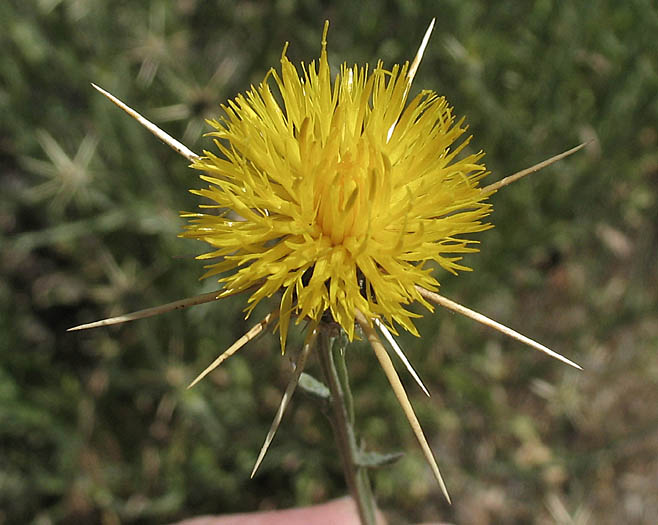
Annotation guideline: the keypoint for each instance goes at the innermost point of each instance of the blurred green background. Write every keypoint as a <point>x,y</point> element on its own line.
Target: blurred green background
<point>97,427</point>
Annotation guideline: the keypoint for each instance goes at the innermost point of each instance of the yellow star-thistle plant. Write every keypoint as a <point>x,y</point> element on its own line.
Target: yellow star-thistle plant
<point>341,197</point>
<point>344,196</point>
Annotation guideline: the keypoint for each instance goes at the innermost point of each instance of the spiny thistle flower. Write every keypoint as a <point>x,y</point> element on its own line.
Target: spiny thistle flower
<point>343,196</point>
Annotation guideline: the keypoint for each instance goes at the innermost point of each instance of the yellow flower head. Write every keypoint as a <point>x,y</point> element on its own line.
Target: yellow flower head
<point>343,196</point>
<point>338,193</point>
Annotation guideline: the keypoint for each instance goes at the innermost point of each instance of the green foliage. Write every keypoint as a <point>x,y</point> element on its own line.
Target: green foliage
<point>99,427</point>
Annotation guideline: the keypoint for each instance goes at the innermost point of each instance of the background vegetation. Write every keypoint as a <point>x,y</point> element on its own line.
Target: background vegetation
<point>98,427</point>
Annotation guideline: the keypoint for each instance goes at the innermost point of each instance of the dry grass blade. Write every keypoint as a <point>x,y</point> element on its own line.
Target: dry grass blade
<point>309,344</point>
<point>177,146</point>
<point>150,312</point>
<point>251,334</point>
<point>519,175</point>
<point>396,347</point>
<point>471,314</point>
<point>398,390</point>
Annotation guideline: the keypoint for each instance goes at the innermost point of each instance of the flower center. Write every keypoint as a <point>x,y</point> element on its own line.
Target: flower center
<point>338,200</point>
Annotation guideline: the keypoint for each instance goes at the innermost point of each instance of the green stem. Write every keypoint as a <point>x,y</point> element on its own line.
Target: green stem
<point>341,367</point>
<point>342,417</point>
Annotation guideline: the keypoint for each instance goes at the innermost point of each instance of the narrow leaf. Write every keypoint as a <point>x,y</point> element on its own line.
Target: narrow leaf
<point>177,146</point>
<point>396,347</point>
<point>398,390</point>
<point>251,334</point>
<point>471,314</point>
<point>532,169</point>
<point>309,343</point>
<point>411,73</point>
<point>419,55</point>
<point>155,310</point>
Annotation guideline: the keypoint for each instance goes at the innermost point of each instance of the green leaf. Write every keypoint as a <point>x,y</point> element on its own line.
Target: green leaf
<point>314,387</point>
<point>376,459</point>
